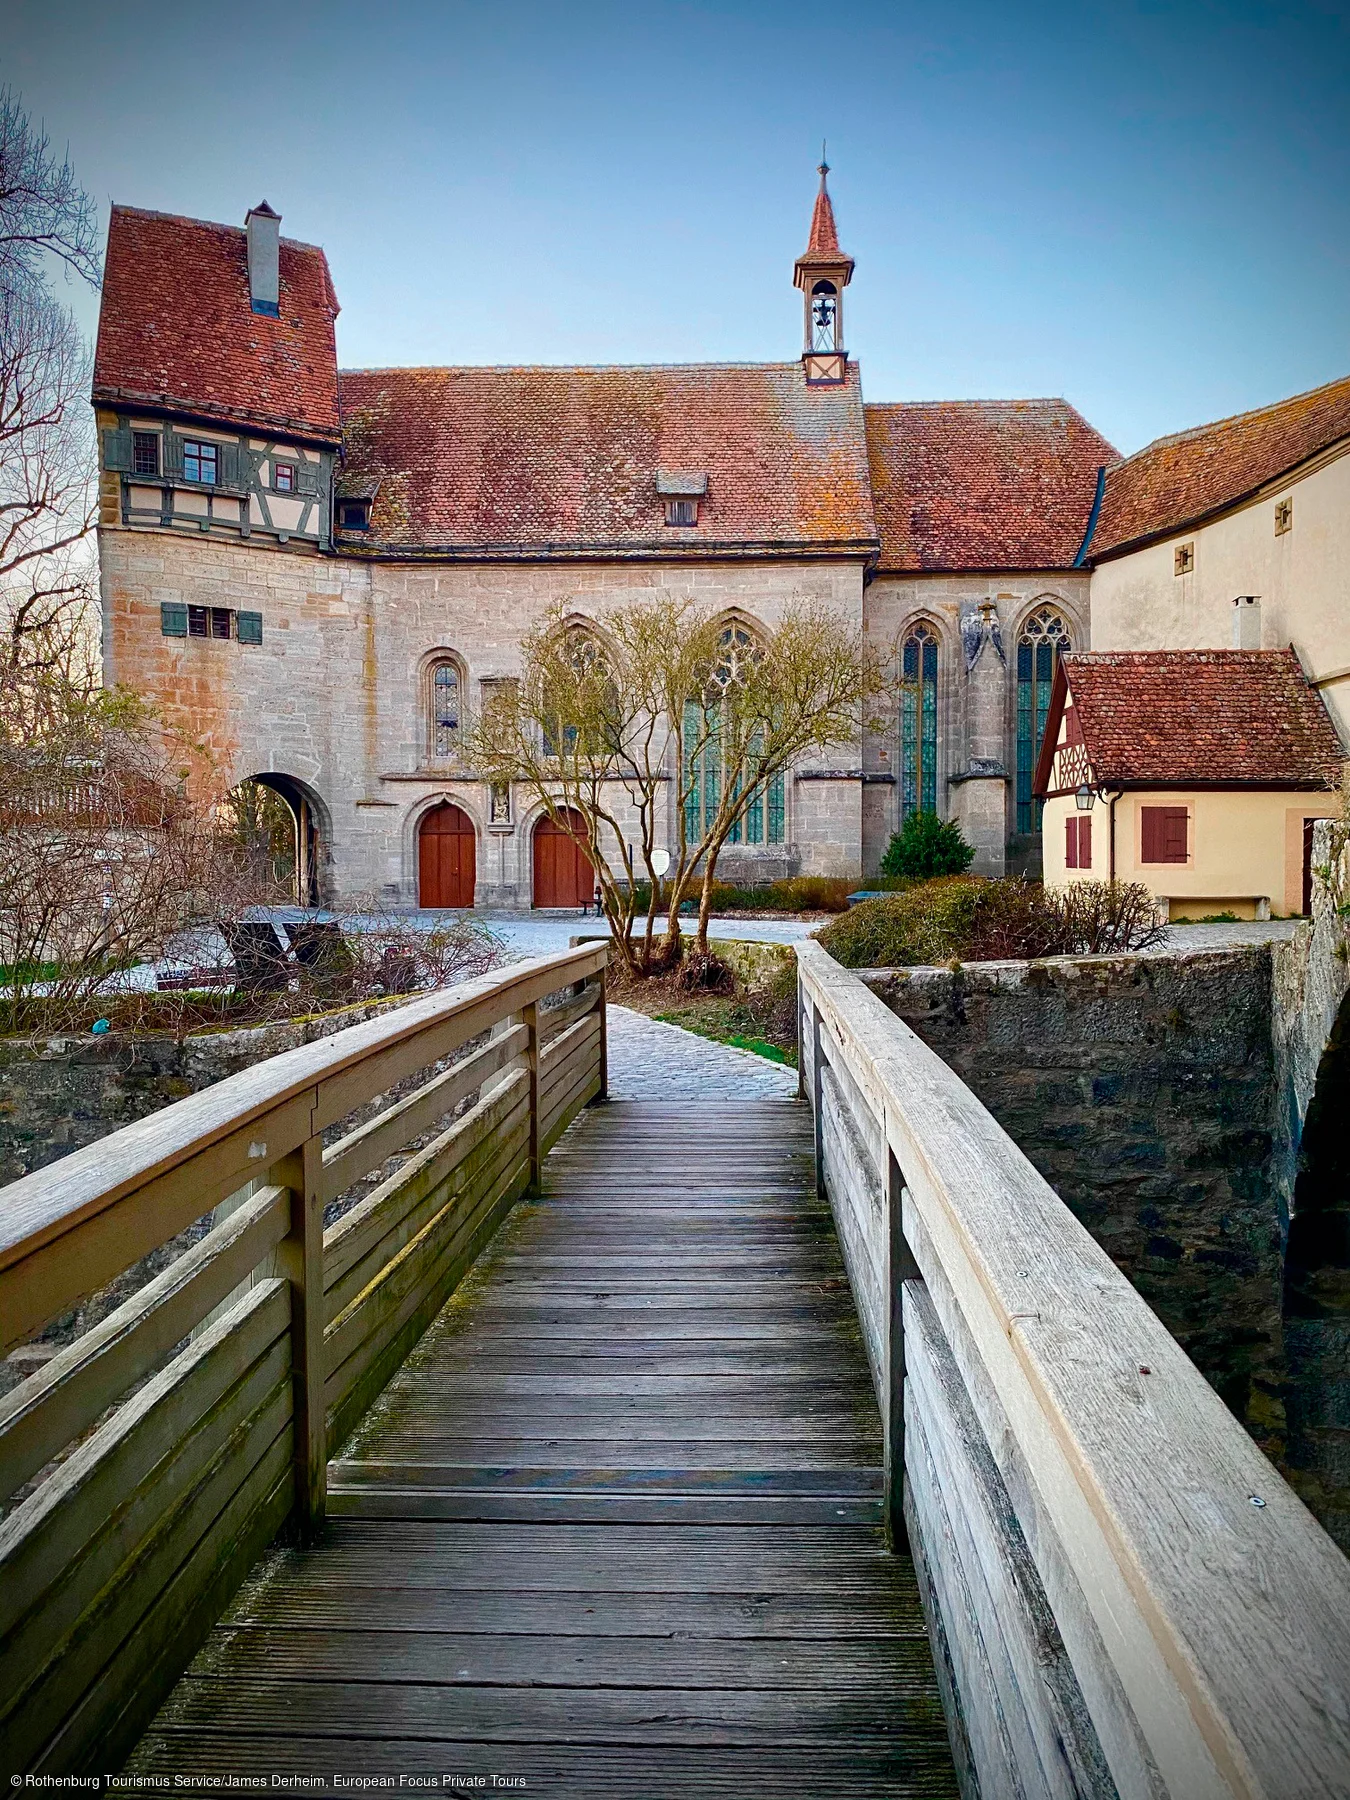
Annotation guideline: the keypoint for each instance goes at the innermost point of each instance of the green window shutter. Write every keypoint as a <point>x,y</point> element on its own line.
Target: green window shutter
<point>172,619</point>
<point>227,465</point>
<point>248,627</point>
<point>117,450</point>
<point>173,453</point>
<point>307,477</point>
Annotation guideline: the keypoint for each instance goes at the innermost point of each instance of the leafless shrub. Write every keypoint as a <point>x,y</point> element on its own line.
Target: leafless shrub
<point>1102,918</point>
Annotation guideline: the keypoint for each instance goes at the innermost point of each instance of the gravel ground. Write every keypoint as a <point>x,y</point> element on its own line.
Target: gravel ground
<point>652,1061</point>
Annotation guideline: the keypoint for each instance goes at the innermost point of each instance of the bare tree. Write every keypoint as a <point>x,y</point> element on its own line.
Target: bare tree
<point>661,724</point>
<point>44,212</point>
<point>46,442</point>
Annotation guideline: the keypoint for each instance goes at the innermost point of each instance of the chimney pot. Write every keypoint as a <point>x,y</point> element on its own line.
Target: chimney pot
<point>1247,622</point>
<point>264,239</point>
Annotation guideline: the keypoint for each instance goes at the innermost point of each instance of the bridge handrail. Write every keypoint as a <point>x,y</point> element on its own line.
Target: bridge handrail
<point>1204,1612</point>
<point>257,1350</point>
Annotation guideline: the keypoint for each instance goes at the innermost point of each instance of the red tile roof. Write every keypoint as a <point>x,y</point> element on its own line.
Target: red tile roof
<point>1195,718</point>
<point>824,239</point>
<point>1180,480</point>
<point>982,484</point>
<point>177,329</point>
<point>567,459</point>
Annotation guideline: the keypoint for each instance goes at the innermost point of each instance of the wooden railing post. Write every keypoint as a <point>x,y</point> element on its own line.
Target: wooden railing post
<point>801,1038</point>
<point>900,1268</point>
<point>530,1016</point>
<point>301,1258</point>
<point>818,1100</point>
<point>602,1003</point>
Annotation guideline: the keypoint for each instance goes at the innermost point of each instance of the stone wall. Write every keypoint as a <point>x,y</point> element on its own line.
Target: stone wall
<point>1142,1088</point>
<point>1311,991</point>
<point>335,699</point>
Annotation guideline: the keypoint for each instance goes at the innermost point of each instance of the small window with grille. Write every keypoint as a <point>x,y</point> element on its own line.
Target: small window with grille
<point>681,512</point>
<point>1284,517</point>
<point>1183,560</point>
<point>200,461</point>
<point>210,621</point>
<point>145,453</point>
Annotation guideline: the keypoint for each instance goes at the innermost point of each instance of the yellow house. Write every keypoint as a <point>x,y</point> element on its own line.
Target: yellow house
<point>1199,773</point>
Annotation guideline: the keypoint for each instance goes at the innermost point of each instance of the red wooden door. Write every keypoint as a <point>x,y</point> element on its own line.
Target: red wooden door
<point>446,858</point>
<point>563,874</point>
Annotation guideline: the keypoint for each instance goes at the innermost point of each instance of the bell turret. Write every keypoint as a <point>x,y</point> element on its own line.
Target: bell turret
<point>822,273</point>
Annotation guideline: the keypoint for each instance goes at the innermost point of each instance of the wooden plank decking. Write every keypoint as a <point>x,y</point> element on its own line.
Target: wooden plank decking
<point>614,1528</point>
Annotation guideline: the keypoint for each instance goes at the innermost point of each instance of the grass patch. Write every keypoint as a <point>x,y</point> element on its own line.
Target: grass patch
<point>728,1023</point>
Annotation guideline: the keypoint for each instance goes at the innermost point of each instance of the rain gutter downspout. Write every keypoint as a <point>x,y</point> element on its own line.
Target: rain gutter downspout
<point>1081,557</point>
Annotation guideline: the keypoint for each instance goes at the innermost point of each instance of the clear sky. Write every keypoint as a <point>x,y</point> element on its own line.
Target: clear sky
<point>1144,207</point>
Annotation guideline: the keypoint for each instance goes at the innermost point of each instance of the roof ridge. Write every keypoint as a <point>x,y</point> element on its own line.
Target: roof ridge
<point>146,212</point>
<point>1010,400</point>
<point>560,368</point>
<point>1255,412</point>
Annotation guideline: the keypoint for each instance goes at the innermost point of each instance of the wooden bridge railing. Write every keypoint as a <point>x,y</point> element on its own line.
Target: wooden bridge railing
<point>1124,1596</point>
<point>263,1344</point>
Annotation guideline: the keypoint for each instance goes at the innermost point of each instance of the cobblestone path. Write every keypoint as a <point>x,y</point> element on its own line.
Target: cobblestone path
<point>652,1061</point>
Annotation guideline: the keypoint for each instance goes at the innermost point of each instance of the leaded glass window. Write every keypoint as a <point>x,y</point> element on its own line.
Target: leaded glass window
<point>1044,639</point>
<point>918,721</point>
<point>765,815</point>
<point>446,692</point>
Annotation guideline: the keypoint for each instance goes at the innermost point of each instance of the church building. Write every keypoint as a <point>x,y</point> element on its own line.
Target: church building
<point>321,572</point>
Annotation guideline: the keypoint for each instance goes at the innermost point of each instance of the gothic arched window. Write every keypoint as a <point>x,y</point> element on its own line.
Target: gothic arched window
<point>1044,639</point>
<point>445,686</point>
<point>824,315</point>
<point>764,819</point>
<point>918,721</point>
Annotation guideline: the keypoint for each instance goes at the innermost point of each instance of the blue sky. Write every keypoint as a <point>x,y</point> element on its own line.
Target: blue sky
<point>1144,207</point>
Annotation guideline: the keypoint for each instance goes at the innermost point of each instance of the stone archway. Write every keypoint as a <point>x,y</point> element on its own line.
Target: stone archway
<point>447,857</point>
<point>1317,1295</point>
<point>309,837</point>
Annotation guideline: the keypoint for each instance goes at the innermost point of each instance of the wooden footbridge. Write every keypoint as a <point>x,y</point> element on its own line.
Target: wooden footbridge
<point>484,1438</point>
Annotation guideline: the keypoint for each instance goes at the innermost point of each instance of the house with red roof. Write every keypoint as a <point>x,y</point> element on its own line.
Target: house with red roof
<point>1234,534</point>
<point>320,572</point>
<point>1199,773</point>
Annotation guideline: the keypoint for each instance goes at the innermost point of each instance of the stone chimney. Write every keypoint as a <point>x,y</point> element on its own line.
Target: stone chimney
<point>1247,622</point>
<point>264,238</point>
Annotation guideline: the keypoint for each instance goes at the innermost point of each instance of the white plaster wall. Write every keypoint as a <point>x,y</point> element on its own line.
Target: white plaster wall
<point>1302,576</point>
<point>1245,847</point>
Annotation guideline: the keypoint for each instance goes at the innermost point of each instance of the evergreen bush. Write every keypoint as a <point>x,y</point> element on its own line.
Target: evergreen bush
<point>926,846</point>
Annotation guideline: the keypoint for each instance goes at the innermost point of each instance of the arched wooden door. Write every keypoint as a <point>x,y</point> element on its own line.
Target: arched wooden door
<point>563,873</point>
<point>447,861</point>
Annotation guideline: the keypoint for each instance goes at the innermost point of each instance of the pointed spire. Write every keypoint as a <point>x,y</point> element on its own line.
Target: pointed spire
<point>824,239</point>
<point>822,251</point>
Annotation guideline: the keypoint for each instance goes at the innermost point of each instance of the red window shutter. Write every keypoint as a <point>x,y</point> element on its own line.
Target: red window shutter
<point>1151,818</point>
<point>1071,843</point>
<point>1174,834</point>
<point>1085,843</point>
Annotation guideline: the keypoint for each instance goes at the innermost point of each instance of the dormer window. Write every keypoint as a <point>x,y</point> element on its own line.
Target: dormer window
<point>199,461</point>
<point>680,493</point>
<point>145,453</point>
<point>354,515</point>
<point>283,477</point>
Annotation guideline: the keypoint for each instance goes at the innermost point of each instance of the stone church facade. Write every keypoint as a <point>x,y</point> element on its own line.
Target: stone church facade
<point>319,573</point>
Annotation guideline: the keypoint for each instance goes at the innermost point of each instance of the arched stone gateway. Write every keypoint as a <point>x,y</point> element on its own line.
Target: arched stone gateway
<point>563,873</point>
<point>447,857</point>
<point>307,842</point>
